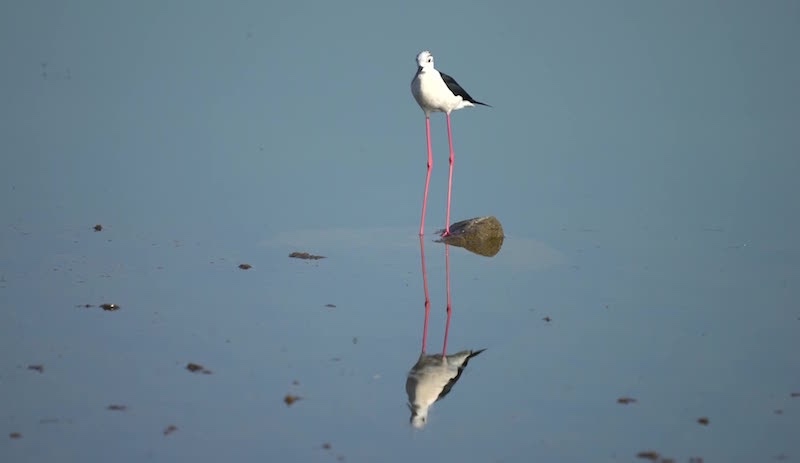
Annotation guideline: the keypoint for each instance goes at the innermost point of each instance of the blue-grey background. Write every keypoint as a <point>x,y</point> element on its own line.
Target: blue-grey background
<point>642,157</point>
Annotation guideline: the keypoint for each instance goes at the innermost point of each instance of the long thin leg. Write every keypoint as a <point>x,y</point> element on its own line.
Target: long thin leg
<point>427,295</point>
<point>428,176</point>
<point>449,298</point>
<point>450,182</point>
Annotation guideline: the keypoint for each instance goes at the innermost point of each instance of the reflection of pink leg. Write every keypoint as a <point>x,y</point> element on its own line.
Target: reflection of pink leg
<point>450,182</point>
<point>427,294</point>
<point>427,177</point>
<point>449,298</point>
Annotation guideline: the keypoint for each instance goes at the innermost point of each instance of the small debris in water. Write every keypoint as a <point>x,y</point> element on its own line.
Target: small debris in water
<point>170,429</point>
<point>15,435</point>
<point>330,306</point>
<point>85,306</point>
<point>326,446</point>
<point>197,368</point>
<point>795,394</point>
<point>245,266</point>
<point>648,455</point>
<point>39,368</point>
<point>626,400</point>
<point>193,367</point>
<point>98,227</point>
<point>109,307</point>
<point>295,383</point>
<point>703,420</point>
<point>355,340</point>
<point>305,255</point>
<point>117,407</point>
<point>547,319</point>
<point>778,411</point>
<point>290,399</point>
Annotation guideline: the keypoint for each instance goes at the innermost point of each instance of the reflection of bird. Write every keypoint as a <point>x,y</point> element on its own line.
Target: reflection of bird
<point>431,378</point>
<point>436,91</point>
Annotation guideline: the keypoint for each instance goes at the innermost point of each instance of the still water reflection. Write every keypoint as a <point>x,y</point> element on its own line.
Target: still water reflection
<point>434,375</point>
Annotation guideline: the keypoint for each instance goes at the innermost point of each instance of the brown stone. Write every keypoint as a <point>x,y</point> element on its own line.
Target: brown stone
<point>480,235</point>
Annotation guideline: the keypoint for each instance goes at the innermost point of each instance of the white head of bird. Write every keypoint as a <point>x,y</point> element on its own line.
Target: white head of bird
<point>419,416</point>
<point>425,59</point>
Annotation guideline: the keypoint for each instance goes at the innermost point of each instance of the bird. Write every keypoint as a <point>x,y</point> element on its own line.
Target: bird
<point>436,91</point>
<point>431,379</point>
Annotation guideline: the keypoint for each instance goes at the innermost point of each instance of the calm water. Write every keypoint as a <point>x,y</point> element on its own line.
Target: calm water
<point>646,181</point>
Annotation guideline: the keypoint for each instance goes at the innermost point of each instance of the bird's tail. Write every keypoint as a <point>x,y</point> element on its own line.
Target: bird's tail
<point>472,354</point>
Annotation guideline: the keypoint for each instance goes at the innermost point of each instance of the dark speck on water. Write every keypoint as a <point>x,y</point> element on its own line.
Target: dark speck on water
<point>245,266</point>
<point>197,368</point>
<point>98,228</point>
<point>39,368</point>
<point>109,307</point>
<point>290,399</point>
<point>704,421</point>
<point>194,367</point>
<point>117,407</point>
<point>170,429</point>
<point>15,435</point>
<point>648,455</point>
<point>305,255</point>
<point>626,400</point>
<point>330,306</point>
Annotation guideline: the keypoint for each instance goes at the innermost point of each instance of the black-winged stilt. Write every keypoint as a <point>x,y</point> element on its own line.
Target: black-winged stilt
<point>436,91</point>
<point>433,376</point>
<point>431,379</point>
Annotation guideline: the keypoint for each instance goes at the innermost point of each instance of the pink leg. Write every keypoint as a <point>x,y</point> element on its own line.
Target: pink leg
<point>428,176</point>
<point>427,295</point>
<point>450,182</point>
<point>449,298</point>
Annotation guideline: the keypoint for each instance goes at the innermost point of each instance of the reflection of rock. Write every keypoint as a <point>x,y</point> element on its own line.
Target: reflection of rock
<point>431,378</point>
<point>481,235</point>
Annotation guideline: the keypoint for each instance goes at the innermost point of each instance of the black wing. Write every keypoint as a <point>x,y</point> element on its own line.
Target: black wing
<point>453,381</point>
<point>459,90</point>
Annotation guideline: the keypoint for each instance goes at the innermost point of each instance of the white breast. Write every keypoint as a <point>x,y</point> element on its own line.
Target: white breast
<point>432,93</point>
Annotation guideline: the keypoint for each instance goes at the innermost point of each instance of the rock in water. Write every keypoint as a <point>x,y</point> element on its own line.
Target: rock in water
<point>480,235</point>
